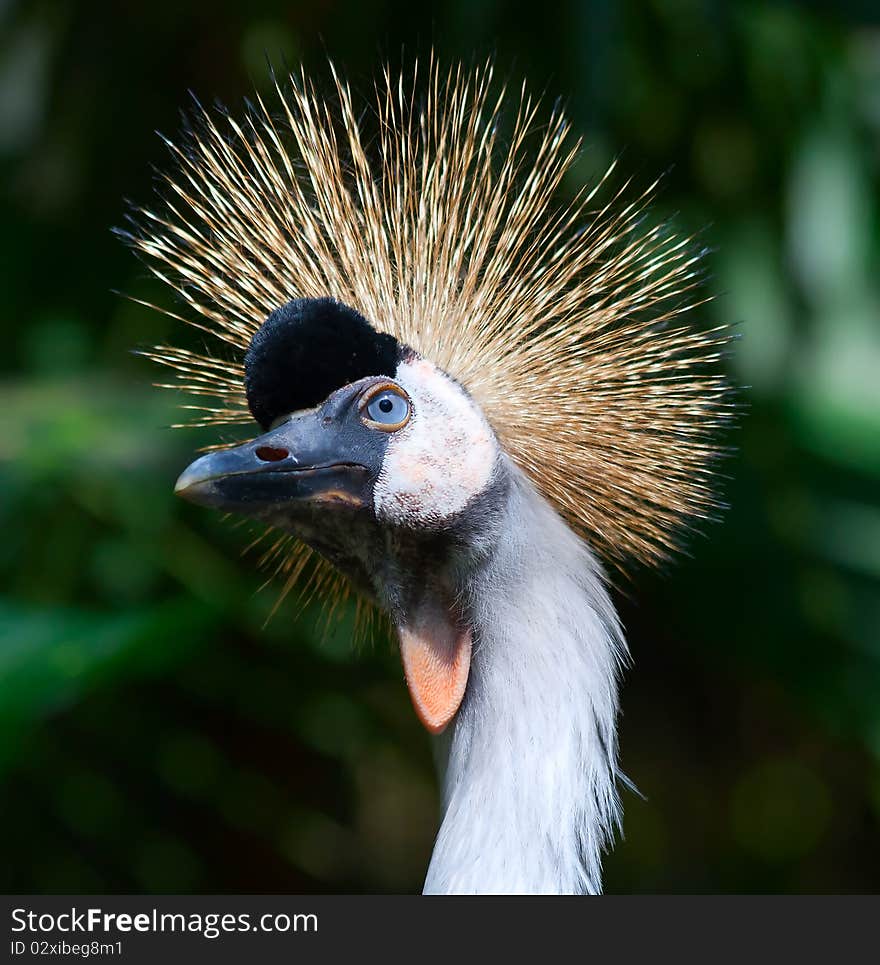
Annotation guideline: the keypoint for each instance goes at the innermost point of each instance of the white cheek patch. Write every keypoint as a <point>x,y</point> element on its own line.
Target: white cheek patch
<point>441,459</point>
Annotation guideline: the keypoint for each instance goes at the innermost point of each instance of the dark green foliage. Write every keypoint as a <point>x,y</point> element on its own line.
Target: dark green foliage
<point>155,735</point>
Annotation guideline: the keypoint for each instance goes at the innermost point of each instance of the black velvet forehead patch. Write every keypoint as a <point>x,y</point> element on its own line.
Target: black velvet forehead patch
<point>307,349</point>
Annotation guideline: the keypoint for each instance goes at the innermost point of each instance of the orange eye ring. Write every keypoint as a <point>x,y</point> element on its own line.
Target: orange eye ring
<point>386,407</point>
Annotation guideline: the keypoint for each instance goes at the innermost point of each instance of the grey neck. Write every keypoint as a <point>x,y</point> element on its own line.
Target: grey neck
<point>530,764</point>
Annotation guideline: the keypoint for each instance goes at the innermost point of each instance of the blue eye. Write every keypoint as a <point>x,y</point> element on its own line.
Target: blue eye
<point>388,409</point>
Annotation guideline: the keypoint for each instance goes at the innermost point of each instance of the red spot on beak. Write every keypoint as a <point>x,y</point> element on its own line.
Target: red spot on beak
<point>270,453</point>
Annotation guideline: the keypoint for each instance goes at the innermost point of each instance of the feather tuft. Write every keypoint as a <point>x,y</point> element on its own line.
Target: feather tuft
<point>567,321</point>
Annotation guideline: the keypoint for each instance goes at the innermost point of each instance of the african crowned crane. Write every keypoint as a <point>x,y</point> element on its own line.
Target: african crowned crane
<point>465,394</point>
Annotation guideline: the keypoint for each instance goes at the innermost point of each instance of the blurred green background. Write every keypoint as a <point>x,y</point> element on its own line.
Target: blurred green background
<point>154,736</point>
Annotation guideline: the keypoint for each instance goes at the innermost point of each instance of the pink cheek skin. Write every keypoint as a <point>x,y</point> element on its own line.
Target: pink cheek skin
<point>414,472</point>
<point>441,459</point>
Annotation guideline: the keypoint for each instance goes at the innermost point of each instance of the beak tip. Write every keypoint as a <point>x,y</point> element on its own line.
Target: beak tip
<point>189,485</point>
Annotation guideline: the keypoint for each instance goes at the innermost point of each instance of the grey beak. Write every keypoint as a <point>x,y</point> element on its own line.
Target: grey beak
<point>302,460</point>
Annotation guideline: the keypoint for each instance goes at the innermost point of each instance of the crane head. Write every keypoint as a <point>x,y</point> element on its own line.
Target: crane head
<point>376,459</point>
<point>498,326</point>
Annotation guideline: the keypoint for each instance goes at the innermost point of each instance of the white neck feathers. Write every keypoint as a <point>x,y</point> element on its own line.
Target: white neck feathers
<point>529,784</point>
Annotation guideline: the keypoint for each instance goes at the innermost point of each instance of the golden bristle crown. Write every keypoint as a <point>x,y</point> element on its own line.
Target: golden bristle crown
<point>565,320</point>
